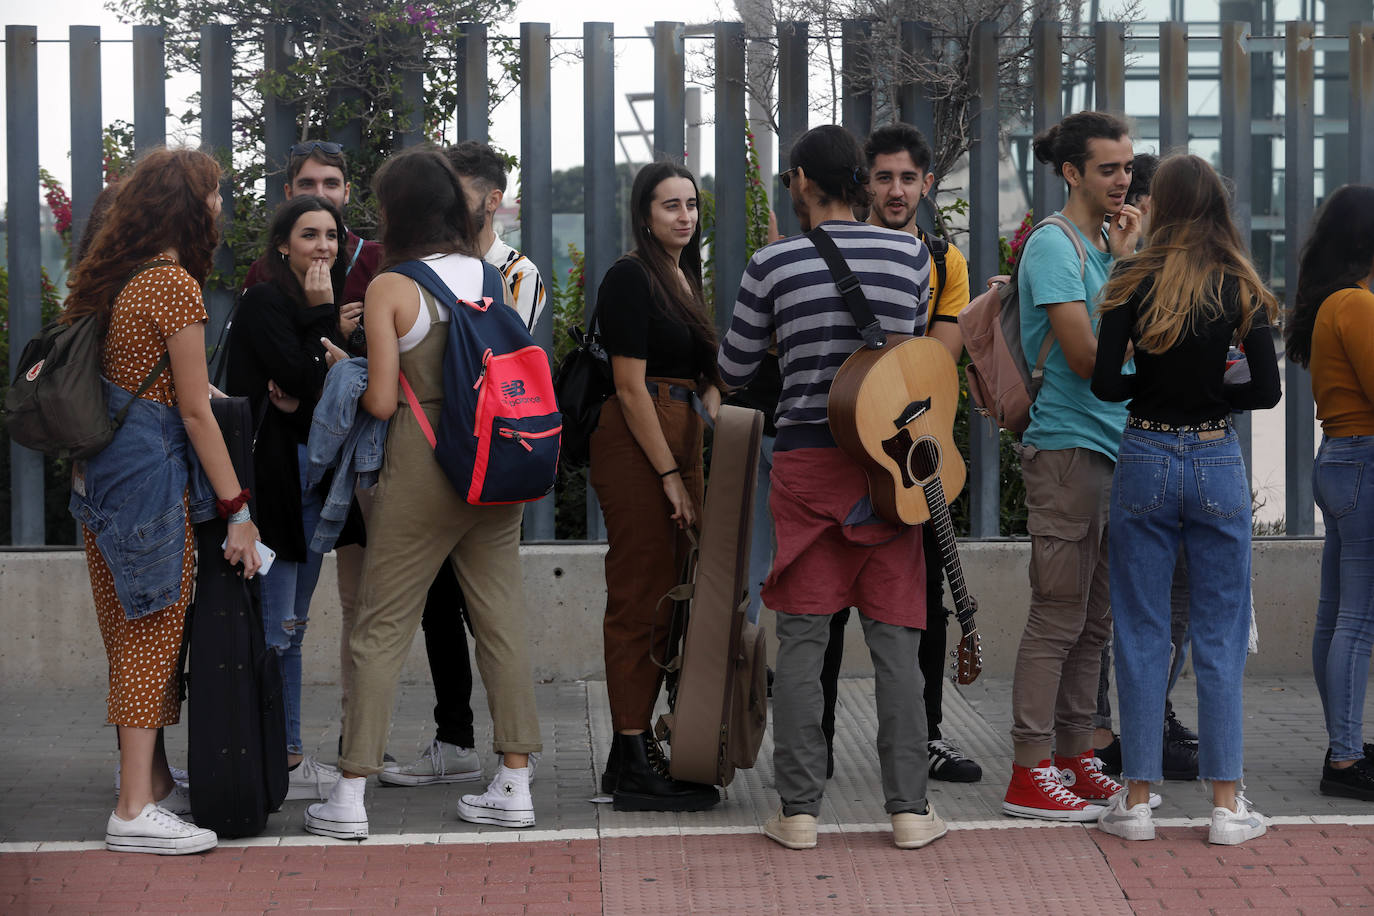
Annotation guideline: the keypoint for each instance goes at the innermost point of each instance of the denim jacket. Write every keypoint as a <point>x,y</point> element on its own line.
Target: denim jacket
<point>345,437</point>
<point>129,496</point>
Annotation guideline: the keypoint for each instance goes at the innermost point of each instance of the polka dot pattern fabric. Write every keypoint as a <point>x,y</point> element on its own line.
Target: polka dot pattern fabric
<point>142,653</point>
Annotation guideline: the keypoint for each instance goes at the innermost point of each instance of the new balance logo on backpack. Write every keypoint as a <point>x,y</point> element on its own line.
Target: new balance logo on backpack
<point>1001,382</point>
<point>499,427</point>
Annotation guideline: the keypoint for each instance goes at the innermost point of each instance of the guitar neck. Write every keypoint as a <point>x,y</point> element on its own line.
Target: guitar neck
<point>943,528</point>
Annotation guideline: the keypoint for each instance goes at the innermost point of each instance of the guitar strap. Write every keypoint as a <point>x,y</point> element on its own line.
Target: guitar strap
<point>848,285</point>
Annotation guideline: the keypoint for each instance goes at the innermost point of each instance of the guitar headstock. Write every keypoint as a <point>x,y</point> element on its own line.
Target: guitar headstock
<point>968,658</point>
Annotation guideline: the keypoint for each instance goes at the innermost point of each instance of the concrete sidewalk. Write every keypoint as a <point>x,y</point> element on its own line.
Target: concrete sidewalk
<point>587,858</point>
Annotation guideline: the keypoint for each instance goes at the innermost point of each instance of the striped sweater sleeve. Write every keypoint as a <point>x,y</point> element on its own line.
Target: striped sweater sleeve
<point>751,326</point>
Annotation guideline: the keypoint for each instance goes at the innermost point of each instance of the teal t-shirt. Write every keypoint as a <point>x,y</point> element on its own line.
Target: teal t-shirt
<point>1065,414</point>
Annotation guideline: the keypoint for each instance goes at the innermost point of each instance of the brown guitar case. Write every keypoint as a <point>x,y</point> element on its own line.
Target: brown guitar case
<point>717,684</point>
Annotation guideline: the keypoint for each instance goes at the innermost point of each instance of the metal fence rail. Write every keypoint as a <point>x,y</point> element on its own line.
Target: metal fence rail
<point>1244,123</point>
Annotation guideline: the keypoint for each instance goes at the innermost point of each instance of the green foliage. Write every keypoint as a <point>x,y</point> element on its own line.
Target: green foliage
<point>349,58</point>
<point>569,305</point>
<point>61,528</point>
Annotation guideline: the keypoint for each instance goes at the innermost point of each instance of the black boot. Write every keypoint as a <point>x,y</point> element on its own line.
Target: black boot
<point>1180,759</point>
<point>1175,730</point>
<point>611,775</point>
<point>1355,781</point>
<point>640,787</point>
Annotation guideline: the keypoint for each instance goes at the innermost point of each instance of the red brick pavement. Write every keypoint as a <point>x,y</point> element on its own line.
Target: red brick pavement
<point>1293,869</point>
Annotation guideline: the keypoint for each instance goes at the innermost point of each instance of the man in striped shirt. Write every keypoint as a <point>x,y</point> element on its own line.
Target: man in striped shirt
<point>832,552</point>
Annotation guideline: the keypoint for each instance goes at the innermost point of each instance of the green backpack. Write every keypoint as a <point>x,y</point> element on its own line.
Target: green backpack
<point>56,404</point>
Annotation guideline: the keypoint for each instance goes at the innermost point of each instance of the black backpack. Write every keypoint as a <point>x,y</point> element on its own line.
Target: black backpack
<point>56,404</point>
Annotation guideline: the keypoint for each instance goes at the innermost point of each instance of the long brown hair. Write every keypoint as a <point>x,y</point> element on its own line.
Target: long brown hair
<point>690,309</point>
<point>1338,255</point>
<point>424,210</point>
<point>160,205</point>
<point>1194,246</point>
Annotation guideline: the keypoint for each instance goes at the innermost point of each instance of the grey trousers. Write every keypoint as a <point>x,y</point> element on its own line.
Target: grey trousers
<point>798,742</point>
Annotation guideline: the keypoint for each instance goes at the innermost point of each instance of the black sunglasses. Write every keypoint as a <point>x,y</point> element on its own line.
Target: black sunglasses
<point>787,176</point>
<point>325,146</point>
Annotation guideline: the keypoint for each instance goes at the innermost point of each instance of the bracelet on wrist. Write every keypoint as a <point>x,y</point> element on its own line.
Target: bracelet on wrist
<point>670,472</point>
<point>240,516</point>
<point>227,507</point>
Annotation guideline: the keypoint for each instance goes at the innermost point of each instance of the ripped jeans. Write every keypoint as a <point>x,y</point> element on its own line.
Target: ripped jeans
<point>286,592</point>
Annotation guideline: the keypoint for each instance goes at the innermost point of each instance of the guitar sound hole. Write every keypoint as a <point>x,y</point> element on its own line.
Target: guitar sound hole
<point>923,461</point>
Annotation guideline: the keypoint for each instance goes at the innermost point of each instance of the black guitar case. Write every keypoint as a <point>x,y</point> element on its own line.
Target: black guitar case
<point>717,685</point>
<point>237,730</point>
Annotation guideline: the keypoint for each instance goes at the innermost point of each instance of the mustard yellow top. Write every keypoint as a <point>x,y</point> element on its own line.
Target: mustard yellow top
<point>1343,363</point>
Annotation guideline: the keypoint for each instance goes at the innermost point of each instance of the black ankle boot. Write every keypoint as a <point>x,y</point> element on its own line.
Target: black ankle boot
<point>1355,781</point>
<point>611,775</point>
<point>1180,760</point>
<point>640,787</point>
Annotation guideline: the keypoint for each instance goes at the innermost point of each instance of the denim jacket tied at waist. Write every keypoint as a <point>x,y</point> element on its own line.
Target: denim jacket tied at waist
<point>129,495</point>
<point>346,438</point>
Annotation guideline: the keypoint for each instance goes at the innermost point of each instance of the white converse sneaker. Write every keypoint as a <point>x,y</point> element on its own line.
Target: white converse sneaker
<point>1130,823</point>
<point>441,762</point>
<point>157,831</point>
<point>178,801</point>
<point>506,803</point>
<point>311,779</point>
<point>1231,828</point>
<point>343,815</point>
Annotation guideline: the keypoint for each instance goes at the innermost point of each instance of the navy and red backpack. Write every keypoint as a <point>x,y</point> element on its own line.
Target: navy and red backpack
<point>499,428</point>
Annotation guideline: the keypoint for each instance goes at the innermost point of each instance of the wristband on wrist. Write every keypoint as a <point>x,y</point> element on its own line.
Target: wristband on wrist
<point>240,516</point>
<point>227,507</point>
<point>670,472</point>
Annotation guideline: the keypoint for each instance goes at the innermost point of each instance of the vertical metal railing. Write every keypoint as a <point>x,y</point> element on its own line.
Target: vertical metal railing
<point>86,124</point>
<point>150,88</point>
<point>278,115</point>
<point>23,253</point>
<point>1173,87</point>
<point>856,89</point>
<point>217,139</point>
<point>985,503</point>
<point>670,90</point>
<point>793,112</point>
<point>1109,63</point>
<point>1361,102</point>
<point>1047,68</point>
<point>474,101</point>
<point>1237,128</point>
<point>1299,180</point>
<point>731,166</point>
<point>600,223</point>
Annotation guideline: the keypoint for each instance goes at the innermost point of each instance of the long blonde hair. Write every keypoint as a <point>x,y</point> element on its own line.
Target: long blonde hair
<point>1193,247</point>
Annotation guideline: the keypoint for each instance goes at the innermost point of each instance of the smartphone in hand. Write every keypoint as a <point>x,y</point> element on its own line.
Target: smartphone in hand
<point>265,555</point>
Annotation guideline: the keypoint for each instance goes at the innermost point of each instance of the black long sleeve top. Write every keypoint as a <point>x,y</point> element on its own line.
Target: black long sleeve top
<point>274,338</point>
<point>1184,385</point>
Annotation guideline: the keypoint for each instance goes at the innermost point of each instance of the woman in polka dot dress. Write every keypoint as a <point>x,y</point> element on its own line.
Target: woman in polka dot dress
<point>166,211</point>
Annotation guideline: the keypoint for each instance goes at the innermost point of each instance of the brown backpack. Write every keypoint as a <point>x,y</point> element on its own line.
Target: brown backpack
<point>1001,382</point>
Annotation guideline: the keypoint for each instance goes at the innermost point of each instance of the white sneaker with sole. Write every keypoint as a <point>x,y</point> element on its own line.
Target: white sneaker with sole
<point>311,779</point>
<point>1231,828</point>
<point>343,815</point>
<point>1129,823</point>
<point>441,762</point>
<point>157,831</point>
<point>506,803</point>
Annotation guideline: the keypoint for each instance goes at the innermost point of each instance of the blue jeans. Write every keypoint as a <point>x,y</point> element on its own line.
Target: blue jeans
<point>761,545</point>
<point>1345,611</point>
<point>1172,487</point>
<point>286,592</point>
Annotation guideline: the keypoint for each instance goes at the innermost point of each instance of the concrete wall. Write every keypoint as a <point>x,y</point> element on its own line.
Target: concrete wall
<point>49,634</point>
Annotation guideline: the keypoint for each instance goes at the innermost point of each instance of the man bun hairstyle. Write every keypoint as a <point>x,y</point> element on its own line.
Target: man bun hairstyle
<point>1067,141</point>
<point>478,161</point>
<point>832,159</point>
<point>899,137</point>
<point>1142,173</point>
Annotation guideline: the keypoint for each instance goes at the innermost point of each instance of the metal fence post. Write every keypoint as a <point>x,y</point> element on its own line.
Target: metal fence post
<point>23,251</point>
<point>150,88</point>
<point>985,502</point>
<point>1236,141</point>
<point>1109,58</point>
<point>670,87</point>
<point>1299,181</point>
<point>793,112</point>
<point>278,117</point>
<point>87,143</point>
<point>536,207</point>
<point>1173,88</point>
<point>475,99</point>
<point>731,164</point>
<point>913,103</point>
<point>409,101</point>
<point>1361,102</point>
<point>1047,68</point>
<point>601,225</point>
<point>217,139</point>
<point>856,77</point>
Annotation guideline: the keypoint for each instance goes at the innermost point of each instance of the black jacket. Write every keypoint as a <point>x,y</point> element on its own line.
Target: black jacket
<point>274,338</point>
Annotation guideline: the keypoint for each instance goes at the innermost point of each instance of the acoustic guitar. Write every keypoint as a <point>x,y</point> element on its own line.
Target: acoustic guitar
<point>892,410</point>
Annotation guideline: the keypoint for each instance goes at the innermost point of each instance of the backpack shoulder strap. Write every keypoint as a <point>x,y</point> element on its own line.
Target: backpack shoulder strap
<point>424,275</point>
<point>1068,229</point>
<point>939,249</point>
<point>849,288</point>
